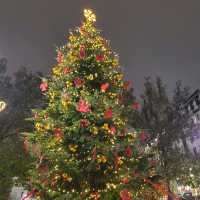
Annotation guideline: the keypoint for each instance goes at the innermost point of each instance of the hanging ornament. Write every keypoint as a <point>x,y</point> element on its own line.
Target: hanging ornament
<point>39,127</point>
<point>95,195</point>
<point>84,123</point>
<point>112,130</point>
<point>90,77</point>
<point>105,127</point>
<point>100,58</point>
<point>124,195</point>
<point>73,147</point>
<point>143,136</point>
<point>58,133</point>
<point>125,180</point>
<point>57,71</point>
<point>101,159</point>
<point>104,87</point>
<point>83,106</point>
<point>66,70</point>
<point>94,130</point>
<point>128,152</point>
<point>108,113</point>
<point>78,82</point>
<point>44,86</point>
<point>72,38</point>
<point>118,161</point>
<point>115,62</point>
<point>59,57</point>
<point>82,52</point>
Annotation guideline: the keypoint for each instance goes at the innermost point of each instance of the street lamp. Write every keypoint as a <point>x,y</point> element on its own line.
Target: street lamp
<point>2,105</point>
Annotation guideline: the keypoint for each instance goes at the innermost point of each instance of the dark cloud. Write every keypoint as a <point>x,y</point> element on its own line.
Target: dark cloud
<point>152,37</point>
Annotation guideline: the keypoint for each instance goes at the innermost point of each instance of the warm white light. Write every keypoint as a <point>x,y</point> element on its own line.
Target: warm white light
<point>89,15</point>
<point>2,105</point>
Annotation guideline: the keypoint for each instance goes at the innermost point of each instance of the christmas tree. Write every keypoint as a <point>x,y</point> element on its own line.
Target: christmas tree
<point>81,145</point>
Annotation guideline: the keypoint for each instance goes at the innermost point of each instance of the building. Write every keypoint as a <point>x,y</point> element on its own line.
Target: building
<point>192,108</point>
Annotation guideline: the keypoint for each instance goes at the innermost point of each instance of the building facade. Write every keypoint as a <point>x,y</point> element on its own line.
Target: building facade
<point>192,108</point>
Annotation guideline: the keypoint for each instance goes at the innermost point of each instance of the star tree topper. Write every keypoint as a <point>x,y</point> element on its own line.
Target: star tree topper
<point>90,16</point>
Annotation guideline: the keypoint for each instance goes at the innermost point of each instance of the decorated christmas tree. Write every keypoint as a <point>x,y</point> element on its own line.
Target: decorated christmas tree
<point>82,147</point>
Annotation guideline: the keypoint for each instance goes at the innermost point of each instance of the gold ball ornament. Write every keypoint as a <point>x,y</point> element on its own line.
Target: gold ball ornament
<point>115,62</point>
<point>105,127</point>
<point>39,127</point>
<point>68,84</point>
<point>101,159</point>
<point>57,71</point>
<point>52,95</point>
<point>94,130</point>
<point>90,77</point>
<point>65,103</point>
<point>72,38</point>
<point>73,147</point>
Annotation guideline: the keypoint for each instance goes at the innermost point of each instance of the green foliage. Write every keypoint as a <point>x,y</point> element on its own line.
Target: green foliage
<point>20,94</point>
<point>13,163</point>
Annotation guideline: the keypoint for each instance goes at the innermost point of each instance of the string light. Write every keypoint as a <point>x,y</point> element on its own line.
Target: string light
<point>2,105</point>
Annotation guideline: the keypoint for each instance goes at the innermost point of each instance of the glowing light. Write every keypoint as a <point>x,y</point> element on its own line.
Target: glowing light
<point>89,15</point>
<point>2,105</point>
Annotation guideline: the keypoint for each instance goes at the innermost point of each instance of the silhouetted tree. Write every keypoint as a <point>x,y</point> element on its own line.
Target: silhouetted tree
<point>164,117</point>
<point>20,94</point>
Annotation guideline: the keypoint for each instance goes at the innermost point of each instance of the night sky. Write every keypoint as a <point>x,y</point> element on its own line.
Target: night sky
<point>152,37</point>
